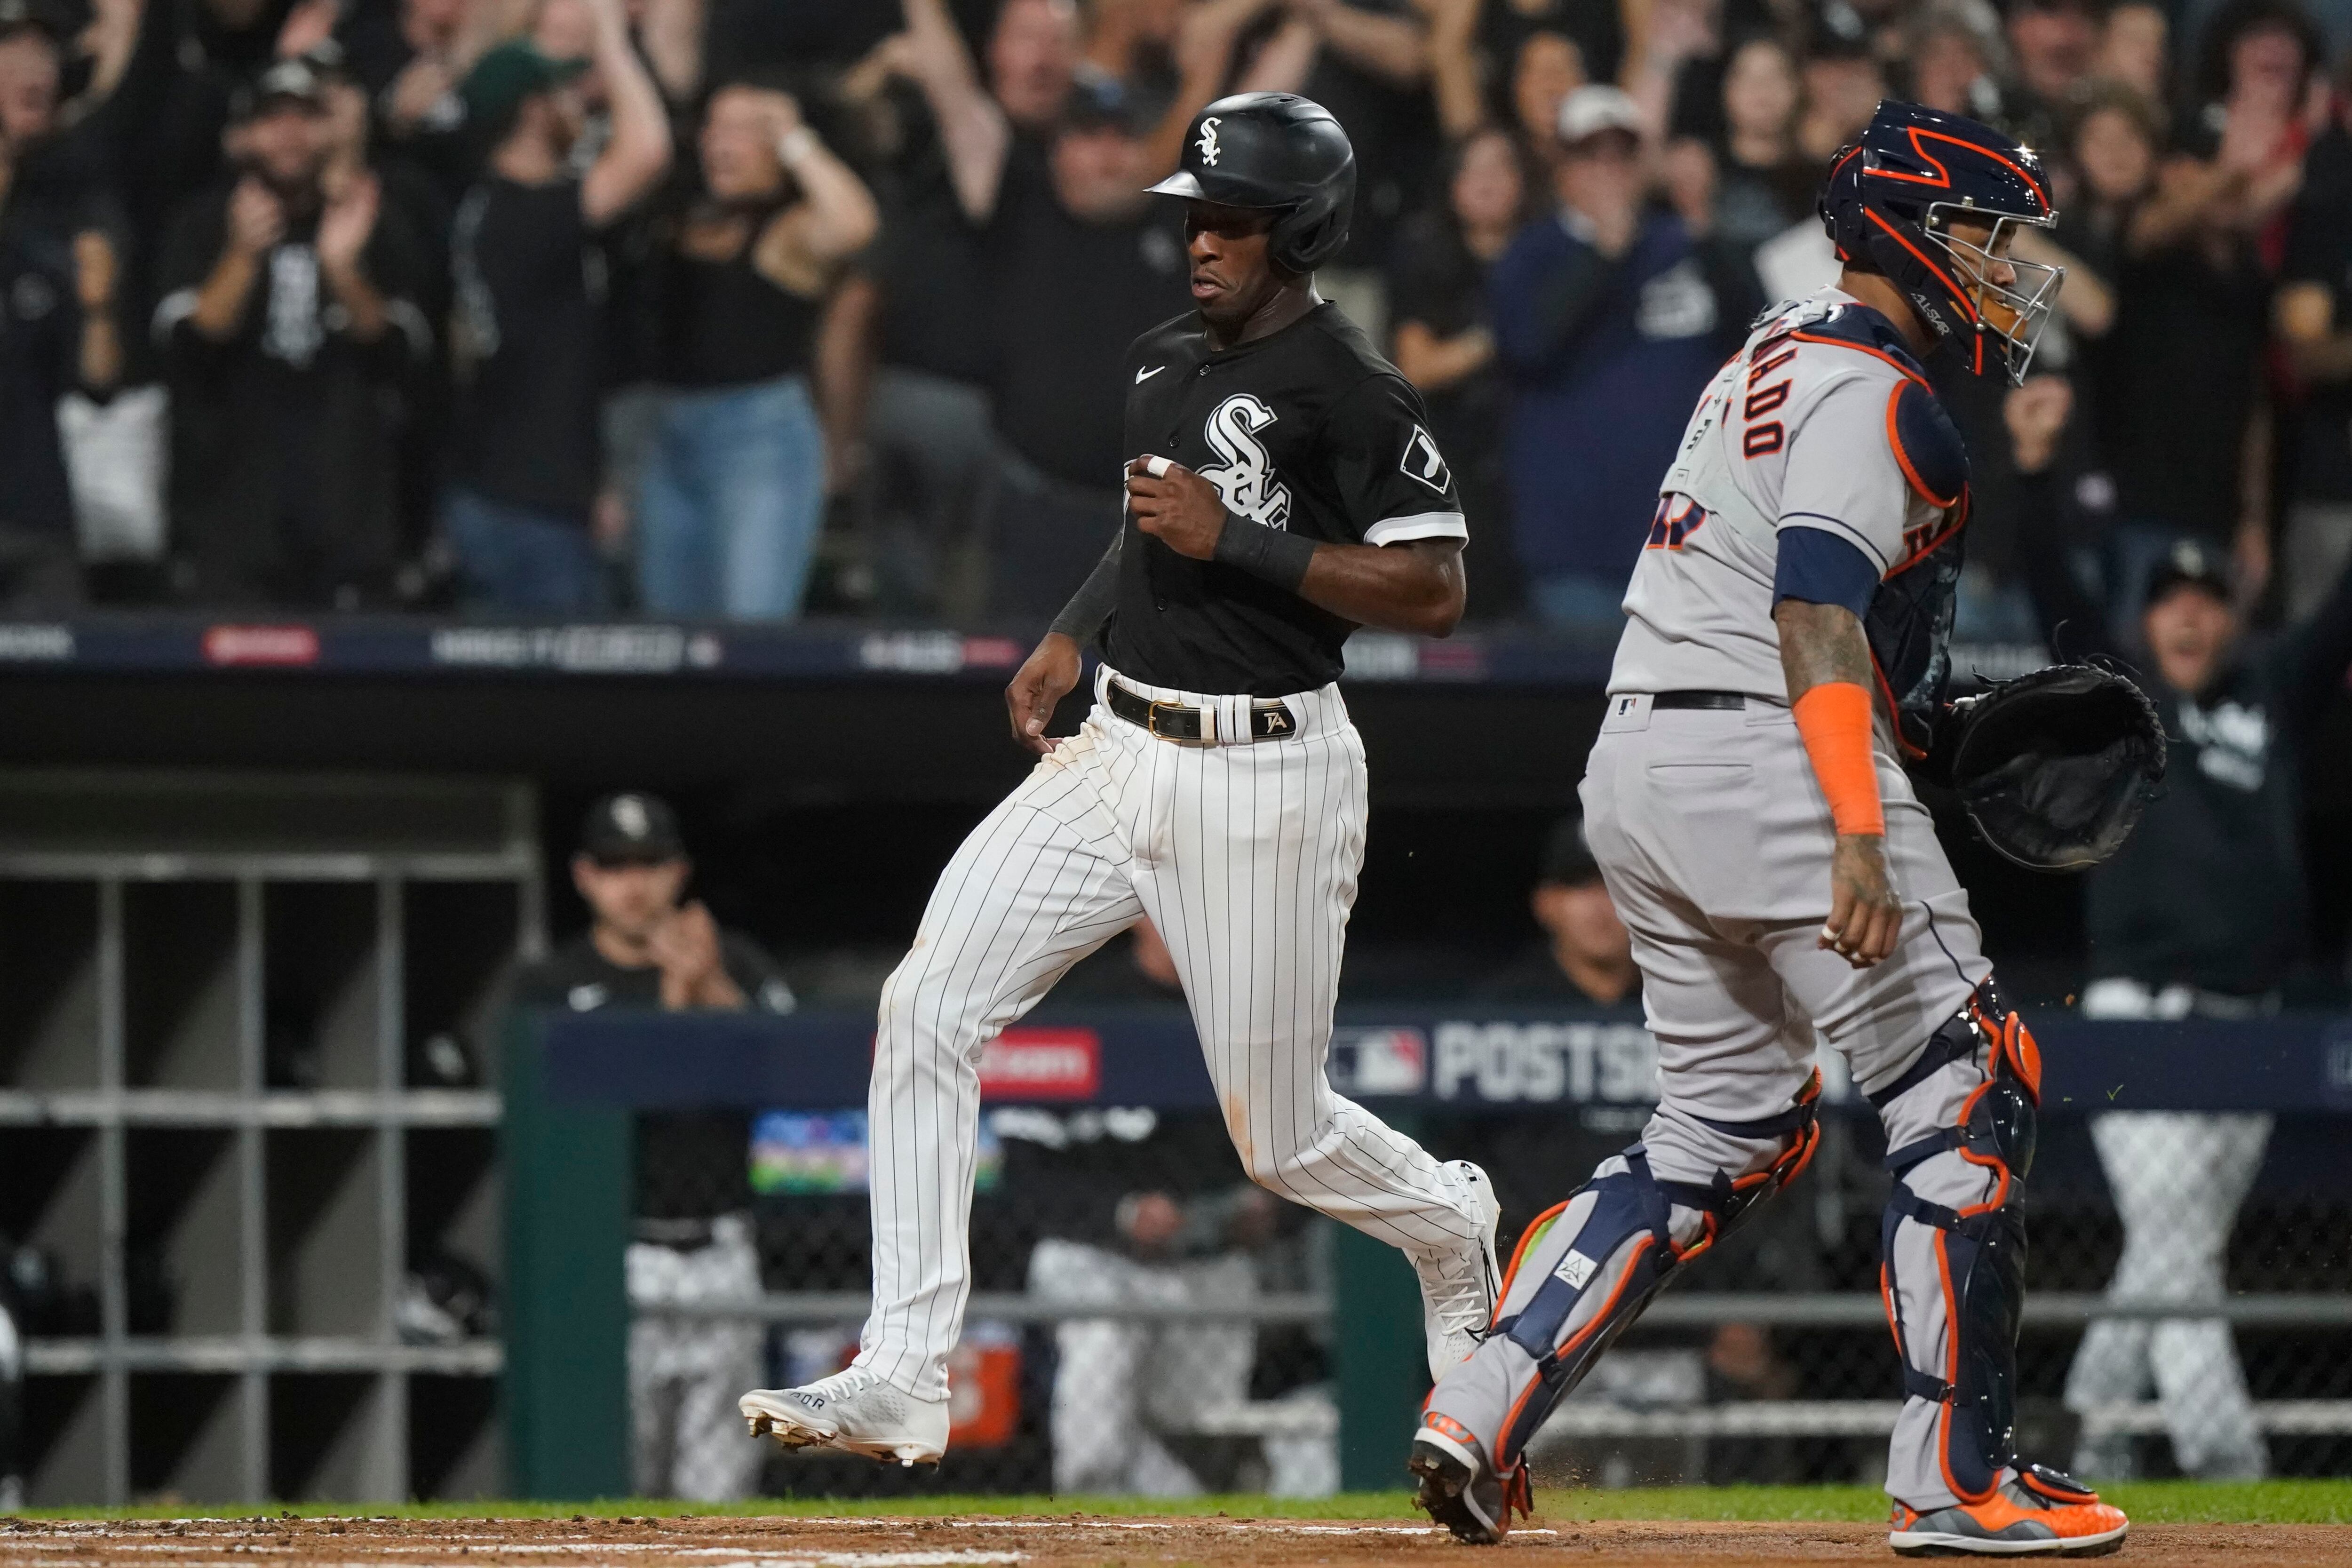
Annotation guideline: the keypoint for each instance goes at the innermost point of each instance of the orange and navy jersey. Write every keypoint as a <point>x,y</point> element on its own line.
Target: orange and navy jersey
<point>1823,420</point>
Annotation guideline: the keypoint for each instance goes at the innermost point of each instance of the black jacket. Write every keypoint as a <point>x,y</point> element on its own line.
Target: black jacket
<point>2208,890</point>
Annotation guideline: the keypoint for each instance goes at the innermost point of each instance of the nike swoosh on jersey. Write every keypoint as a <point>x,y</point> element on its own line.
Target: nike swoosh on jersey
<point>1143,376</point>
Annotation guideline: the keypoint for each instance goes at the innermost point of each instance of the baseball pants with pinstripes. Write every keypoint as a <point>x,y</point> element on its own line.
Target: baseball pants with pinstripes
<point>1245,856</point>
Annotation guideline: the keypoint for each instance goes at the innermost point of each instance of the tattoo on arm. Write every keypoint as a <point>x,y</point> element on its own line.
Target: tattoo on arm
<point>1820,644</point>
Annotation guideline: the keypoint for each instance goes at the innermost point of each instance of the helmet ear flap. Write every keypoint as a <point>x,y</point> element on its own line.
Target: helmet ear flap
<point>1303,238</point>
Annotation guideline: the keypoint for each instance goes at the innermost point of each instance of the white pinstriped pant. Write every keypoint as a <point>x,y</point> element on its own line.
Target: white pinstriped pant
<point>1245,858</point>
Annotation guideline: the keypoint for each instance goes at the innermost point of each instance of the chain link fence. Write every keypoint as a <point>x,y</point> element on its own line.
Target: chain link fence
<point>1144,1321</point>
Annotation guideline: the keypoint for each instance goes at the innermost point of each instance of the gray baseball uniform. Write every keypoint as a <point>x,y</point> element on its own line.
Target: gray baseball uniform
<point>1716,840</point>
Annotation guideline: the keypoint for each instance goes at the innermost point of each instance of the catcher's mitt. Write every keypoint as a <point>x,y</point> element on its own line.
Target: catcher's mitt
<point>2054,767</point>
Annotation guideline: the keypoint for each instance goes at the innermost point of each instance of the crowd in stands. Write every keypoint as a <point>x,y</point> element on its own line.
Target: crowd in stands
<point>762,307</point>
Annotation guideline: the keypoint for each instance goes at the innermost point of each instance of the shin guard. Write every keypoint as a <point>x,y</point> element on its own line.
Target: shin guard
<point>1961,1121</point>
<point>1581,1274</point>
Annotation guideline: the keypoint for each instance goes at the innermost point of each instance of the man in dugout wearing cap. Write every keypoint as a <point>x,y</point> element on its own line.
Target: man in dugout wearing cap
<point>649,947</point>
<point>1585,959</point>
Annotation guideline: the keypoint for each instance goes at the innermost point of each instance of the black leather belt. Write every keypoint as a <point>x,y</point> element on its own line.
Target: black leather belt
<point>1730,701</point>
<point>1175,721</point>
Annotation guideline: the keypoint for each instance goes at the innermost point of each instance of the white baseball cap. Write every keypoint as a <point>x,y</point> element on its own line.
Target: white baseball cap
<point>1590,111</point>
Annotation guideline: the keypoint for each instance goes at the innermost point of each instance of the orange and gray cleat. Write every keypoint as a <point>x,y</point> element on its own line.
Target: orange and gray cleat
<point>2037,1511</point>
<point>1458,1487</point>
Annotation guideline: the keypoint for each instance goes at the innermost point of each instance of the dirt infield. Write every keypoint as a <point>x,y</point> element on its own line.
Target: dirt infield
<point>920,1542</point>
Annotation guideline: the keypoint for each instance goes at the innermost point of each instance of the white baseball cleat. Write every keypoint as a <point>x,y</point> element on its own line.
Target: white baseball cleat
<point>854,1410</point>
<point>1457,1285</point>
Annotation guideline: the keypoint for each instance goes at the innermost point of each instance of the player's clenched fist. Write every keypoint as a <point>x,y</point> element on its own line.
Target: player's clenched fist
<point>1176,505</point>
<point>1042,680</point>
<point>1865,917</point>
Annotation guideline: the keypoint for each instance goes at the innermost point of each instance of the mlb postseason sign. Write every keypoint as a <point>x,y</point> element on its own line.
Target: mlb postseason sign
<point>1518,1061</point>
<point>1498,1062</point>
<point>1538,1063</point>
<point>1465,1058</point>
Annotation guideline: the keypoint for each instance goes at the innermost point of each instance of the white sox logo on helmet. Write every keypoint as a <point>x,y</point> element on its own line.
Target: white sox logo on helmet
<point>1246,477</point>
<point>1208,142</point>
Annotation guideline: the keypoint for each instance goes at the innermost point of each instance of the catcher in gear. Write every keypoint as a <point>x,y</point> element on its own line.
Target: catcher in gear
<point>1784,656</point>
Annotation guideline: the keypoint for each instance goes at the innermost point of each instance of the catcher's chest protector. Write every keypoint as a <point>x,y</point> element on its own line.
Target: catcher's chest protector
<point>1824,421</point>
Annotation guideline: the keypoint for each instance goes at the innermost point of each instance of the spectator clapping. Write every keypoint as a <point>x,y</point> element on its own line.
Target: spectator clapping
<point>891,230</point>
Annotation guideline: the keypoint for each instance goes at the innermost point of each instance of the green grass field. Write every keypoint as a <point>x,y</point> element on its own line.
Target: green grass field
<point>2148,1502</point>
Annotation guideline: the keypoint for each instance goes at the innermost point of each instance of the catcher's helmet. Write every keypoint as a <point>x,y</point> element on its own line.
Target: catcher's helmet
<point>1279,150</point>
<point>1888,203</point>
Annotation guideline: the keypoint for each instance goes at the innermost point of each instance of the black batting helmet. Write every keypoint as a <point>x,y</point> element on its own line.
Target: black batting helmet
<point>1278,150</point>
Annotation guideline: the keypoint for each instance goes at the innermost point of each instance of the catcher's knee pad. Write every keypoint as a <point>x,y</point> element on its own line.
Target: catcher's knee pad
<point>1952,1244</point>
<point>1585,1269</point>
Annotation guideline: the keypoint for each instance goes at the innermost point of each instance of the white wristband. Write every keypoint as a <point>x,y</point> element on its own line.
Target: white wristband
<point>795,144</point>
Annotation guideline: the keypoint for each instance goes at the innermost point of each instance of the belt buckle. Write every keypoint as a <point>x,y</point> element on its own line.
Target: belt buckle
<point>1205,717</point>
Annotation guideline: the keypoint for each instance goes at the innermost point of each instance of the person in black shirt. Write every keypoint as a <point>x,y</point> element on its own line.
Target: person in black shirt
<point>644,948</point>
<point>2312,318</point>
<point>1283,490</point>
<point>289,326</point>
<point>2202,912</point>
<point>1065,234</point>
<point>412,56</point>
<point>694,1242</point>
<point>530,321</point>
<point>2181,400</point>
<point>1371,68</point>
<point>1763,187</point>
<point>1078,243</point>
<point>1546,67</point>
<point>353,150</point>
<point>57,290</point>
<point>178,102</point>
<point>733,491</point>
<point>56,335</point>
<point>1444,340</point>
<point>2210,892</point>
<point>1585,960</point>
<point>56,162</point>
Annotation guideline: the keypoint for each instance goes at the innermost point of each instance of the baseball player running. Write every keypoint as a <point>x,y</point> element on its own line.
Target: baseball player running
<point>1284,490</point>
<point>1784,652</point>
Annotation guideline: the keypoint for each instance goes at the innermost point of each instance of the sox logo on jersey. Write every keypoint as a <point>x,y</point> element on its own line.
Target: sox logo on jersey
<point>1245,478</point>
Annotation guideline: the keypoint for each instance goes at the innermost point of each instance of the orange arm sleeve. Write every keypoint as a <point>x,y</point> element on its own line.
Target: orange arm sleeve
<point>1834,719</point>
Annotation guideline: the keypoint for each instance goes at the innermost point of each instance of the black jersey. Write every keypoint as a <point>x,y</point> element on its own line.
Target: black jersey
<point>1307,430</point>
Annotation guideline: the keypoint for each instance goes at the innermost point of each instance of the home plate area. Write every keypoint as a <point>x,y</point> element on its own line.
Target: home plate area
<point>946,1543</point>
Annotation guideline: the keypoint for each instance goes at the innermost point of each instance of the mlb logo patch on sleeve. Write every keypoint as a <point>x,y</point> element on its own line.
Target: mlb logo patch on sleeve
<point>1424,462</point>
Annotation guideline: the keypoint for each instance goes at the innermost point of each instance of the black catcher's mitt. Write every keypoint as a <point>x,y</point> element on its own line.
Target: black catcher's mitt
<point>2054,767</point>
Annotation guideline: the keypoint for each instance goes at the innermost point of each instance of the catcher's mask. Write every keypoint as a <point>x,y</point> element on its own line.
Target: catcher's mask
<point>1934,201</point>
